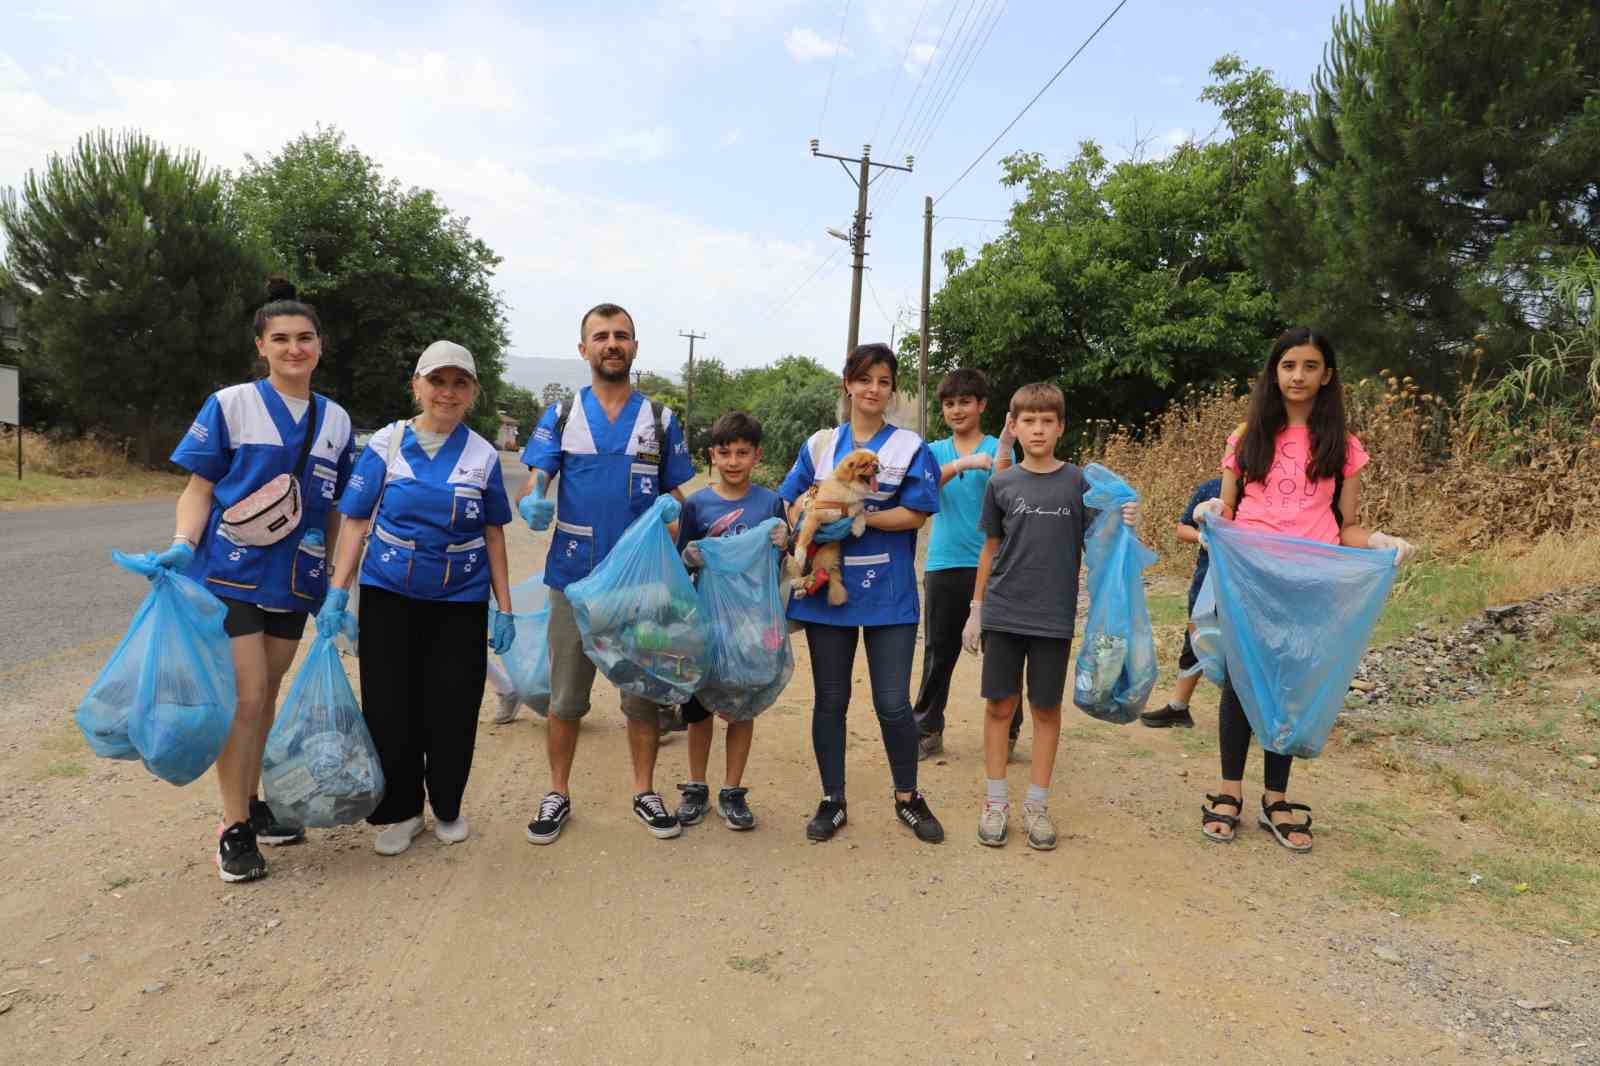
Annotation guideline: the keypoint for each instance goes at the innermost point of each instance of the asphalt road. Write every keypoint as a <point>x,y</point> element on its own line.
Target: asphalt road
<point>58,586</point>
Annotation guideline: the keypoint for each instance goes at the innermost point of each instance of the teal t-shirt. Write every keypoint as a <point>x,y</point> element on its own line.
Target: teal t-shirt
<point>957,540</point>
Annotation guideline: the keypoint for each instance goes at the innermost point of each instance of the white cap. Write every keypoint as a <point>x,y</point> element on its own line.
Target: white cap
<point>441,354</point>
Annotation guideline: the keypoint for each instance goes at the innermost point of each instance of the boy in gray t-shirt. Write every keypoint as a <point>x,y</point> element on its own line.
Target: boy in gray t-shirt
<point>1033,520</point>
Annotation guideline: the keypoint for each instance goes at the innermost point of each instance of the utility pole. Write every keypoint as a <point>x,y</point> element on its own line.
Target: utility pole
<point>922,355</point>
<point>688,388</point>
<point>858,230</point>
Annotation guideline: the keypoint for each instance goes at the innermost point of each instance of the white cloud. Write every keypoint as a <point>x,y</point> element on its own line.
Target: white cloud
<point>631,146</point>
<point>806,45</point>
<point>919,56</point>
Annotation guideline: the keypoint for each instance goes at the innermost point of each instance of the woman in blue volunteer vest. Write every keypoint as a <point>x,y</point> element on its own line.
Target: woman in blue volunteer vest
<point>244,437</point>
<point>879,570</point>
<point>428,502</point>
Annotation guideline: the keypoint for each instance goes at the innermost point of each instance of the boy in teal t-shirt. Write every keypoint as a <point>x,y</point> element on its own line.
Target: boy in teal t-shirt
<point>966,458</point>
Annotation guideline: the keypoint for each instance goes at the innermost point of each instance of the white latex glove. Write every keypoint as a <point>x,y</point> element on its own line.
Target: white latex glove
<point>1130,514</point>
<point>971,632</point>
<point>975,461</point>
<point>1208,509</point>
<point>780,536</point>
<point>1403,549</point>
<point>1008,439</point>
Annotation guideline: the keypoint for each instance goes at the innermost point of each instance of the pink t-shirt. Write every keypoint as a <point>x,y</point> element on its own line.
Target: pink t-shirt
<point>1288,502</point>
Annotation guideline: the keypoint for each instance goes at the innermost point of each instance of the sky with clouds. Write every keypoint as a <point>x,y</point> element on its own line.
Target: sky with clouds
<point>655,153</point>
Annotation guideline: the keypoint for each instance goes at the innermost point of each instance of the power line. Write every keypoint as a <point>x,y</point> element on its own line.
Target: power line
<point>923,127</point>
<point>911,40</point>
<point>969,218</point>
<point>874,290</point>
<point>894,138</point>
<point>1120,5</point>
<point>945,66</point>
<point>809,279</point>
<point>838,46</point>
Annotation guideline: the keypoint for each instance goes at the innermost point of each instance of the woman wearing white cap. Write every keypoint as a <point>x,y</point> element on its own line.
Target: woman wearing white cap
<point>427,501</point>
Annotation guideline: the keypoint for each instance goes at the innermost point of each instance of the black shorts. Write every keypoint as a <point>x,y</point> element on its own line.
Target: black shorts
<point>1006,654</point>
<point>245,619</point>
<point>694,711</point>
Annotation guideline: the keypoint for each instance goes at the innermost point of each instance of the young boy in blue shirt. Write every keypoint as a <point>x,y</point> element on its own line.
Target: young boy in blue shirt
<point>966,459</point>
<point>729,505</point>
<point>1176,712</point>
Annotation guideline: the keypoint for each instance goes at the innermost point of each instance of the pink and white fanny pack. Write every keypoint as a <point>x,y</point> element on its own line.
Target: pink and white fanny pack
<point>266,516</point>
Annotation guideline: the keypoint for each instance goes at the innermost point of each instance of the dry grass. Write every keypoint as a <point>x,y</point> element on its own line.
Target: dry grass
<point>81,469</point>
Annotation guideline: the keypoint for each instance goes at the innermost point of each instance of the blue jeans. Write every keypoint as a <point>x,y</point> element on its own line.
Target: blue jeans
<point>833,656</point>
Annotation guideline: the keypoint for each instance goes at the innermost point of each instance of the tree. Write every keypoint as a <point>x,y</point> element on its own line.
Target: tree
<point>793,399</point>
<point>1449,155</point>
<point>390,270</point>
<point>1124,283</point>
<point>519,403</point>
<point>134,282</point>
<point>714,394</point>
<point>554,392</point>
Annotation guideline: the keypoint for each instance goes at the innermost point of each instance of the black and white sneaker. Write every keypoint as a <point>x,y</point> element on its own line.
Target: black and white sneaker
<point>696,801</point>
<point>828,820</point>
<point>269,830</point>
<point>1167,717</point>
<point>554,810</point>
<point>238,858</point>
<point>734,810</point>
<point>914,812</point>
<point>649,808</point>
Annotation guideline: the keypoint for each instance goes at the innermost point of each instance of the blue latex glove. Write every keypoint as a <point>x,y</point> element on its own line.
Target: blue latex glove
<point>838,529</point>
<point>334,618</point>
<point>504,627</point>
<point>537,512</point>
<point>177,557</point>
<point>670,510</point>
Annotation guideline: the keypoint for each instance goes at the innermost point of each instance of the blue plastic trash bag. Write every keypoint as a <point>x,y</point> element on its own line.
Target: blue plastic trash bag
<point>1287,621</point>
<point>167,693</point>
<point>751,659</point>
<point>1117,662</point>
<point>640,616</point>
<point>527,662</point>
<point>320,768</point>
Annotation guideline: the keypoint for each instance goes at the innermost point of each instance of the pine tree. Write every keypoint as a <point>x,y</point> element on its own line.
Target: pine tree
<point>1451,152</point>
<point>135,285</point>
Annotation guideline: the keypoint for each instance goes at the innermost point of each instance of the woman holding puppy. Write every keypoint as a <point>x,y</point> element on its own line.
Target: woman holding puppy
<point>878,569</point>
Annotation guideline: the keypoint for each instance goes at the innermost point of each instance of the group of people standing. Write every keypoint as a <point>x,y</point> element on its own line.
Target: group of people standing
<point>417,520</point>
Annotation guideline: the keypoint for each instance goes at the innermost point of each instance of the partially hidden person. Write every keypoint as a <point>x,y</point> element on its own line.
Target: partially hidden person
<point>1176,712</point>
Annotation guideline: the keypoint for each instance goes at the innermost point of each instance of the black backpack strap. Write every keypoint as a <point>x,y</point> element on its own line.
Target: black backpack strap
<point>563,412</point>
<point>658,418</point>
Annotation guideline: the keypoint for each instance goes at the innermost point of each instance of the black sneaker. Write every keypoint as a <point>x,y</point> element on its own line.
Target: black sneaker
<point>929,745</point>
<point>828,820</point>
<point>649,809</point>
<point>238,858</point>
<point>554,810</point>
<point>915,813</point>
<point>696,801</point>
<point>1168,716</point>
<point>734,810</point>
<point>269,830</point>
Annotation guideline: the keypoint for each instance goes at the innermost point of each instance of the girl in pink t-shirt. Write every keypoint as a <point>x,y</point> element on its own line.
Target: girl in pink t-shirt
<point>1280,475</point>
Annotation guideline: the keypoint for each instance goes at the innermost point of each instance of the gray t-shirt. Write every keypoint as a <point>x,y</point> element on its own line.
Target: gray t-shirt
<point>1033,581</point>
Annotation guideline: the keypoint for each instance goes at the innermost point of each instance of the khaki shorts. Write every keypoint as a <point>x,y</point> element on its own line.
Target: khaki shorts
<point>572,673</point>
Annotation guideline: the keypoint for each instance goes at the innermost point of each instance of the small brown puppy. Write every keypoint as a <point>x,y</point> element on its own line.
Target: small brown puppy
<point>842,494</point>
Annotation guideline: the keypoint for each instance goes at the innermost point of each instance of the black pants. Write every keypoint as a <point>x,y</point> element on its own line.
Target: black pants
<point>833,656</point>
<point>423,664</point>
<point>1233,730</point>
<point>946,596</point>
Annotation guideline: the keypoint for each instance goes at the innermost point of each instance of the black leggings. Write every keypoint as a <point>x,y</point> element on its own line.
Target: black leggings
<point>1233,730</point>
<point>833,655</point>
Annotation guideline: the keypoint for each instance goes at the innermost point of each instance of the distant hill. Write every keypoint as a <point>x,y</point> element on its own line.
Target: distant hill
<point>534,372</point>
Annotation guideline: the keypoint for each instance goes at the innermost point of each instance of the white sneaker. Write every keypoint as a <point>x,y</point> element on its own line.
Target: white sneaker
<point>393,839</point>
<point>452,832</point>
<point>509,705</point>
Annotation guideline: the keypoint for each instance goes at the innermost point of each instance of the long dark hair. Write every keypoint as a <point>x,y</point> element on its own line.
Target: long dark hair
<point>1268,415</point>
<point>281,301</point>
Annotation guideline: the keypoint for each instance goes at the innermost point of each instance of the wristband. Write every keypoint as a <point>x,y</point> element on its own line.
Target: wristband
<point>975,603</point>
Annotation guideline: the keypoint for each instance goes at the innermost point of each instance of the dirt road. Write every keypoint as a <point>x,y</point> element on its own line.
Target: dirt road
<point>1135,942</point>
